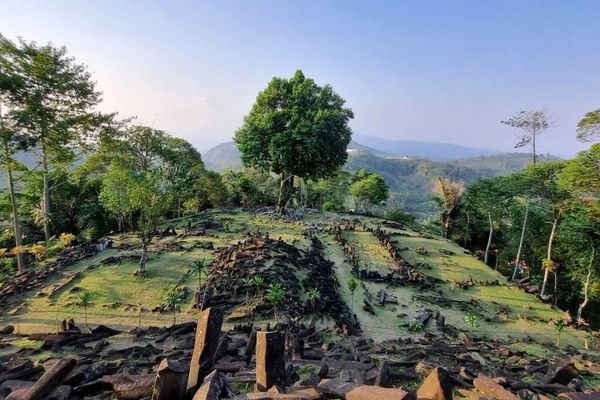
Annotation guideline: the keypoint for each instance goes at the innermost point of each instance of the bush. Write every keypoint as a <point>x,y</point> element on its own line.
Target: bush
<point>8,267</point>
<point>333,205</point>
<point>39,251</point>
<point>400,216</point>
<point>66,239</point>
<point>54,249</point>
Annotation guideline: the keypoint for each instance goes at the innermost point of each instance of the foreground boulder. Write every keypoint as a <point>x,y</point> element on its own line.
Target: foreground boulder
<point>490,388</point>
<point>50,379</point>
<point>171,380</point>
<point>437,386</point>
<point>130,387</point>
<point>365,392</point>
<point>563,373</point>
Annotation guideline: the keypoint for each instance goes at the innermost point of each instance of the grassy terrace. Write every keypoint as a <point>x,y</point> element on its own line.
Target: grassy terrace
<point>118,294</point>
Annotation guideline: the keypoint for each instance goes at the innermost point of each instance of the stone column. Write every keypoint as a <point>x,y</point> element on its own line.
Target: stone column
<point>171,379</point>
<point>208,331</point>
<point>270,363</point>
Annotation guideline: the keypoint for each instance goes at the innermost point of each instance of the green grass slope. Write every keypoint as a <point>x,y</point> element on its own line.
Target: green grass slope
<point>123,300</point>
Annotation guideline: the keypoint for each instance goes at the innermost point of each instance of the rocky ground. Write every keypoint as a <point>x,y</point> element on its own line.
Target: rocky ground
<point>402,338</point>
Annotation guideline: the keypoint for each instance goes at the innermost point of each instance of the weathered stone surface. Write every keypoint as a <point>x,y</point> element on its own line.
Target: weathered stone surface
<point>563,373</point>
<point>62,392</point>
<point>270,363</point>
<point>335,387</point>
<point>366,392</point>
<point>207,340</point>
<point>50,379</point>
<point>490,388</point>
<point>437,386</point>
<point>171,380</point>
<point>579,396</point>
<point>213,387</point>
<point>131,387</point>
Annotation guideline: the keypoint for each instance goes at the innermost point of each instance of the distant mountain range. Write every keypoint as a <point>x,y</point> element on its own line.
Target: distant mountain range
<point>409,167</point>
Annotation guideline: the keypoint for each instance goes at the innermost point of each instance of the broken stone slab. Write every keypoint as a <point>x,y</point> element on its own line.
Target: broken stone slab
<point>490,388</point>
<point>270,363</point>
<point>366,392</point>
<point>50,379</point>
<point>130,387</point>
<point>383,374</point>
<point>213,387</point>
<point>206,342</point>
<point>563,373</point>
<point>437,386</point>
<point>336,387</point>
<point>579,396</point>
<point>62,392</point>
<point>171,380</point>
<point>14,389</point>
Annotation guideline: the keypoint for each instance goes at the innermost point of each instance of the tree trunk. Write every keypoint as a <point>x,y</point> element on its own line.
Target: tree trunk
<point>467,230</point>
<point>446,224</point>
<point>518,259</point>
<point>143,257</point>
<point>533,145</point>
<point>287,183</point>
<point>489,243</point>
<point>16,219</point>
<point>46,196</point>
<point>549,255</point>
<point>586,285</point>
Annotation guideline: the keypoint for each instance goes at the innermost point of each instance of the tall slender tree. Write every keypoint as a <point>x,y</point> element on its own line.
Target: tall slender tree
<point>54,104</point>
<point>531,124</point>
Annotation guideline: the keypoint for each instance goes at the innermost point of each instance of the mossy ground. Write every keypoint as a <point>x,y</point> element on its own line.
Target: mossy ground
<point>118,294</point>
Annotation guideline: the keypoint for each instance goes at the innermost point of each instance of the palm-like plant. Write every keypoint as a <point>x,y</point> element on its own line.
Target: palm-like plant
<point>352,286</point>
<point>198,267</point>
<point>472,320</point>
<point>313,295</point>
<point>258,282</point>
<point>173,299</point>
<point>560,327</point>
<point>275,293</point>
<point>247,281</point>
<point>85,299</point>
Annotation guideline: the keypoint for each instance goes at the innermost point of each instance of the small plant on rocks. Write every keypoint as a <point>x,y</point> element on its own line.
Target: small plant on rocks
<point>472,321</point>
<point>85,299</point>
<point>415,326</point>
<point>352,286</point>
<point>275,294</point>
<point>560,326</point>
<point>173,300</point>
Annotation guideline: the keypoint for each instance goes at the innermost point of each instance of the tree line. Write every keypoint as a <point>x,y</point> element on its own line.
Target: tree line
<point>91,173</point>
<point>541,224</point>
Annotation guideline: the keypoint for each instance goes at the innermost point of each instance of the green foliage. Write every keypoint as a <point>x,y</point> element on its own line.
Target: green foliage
<point>472,321</point>
<point>415,326</point>
<point>275,293</point>
<point>8,267</point>
<point>559,326</point>
<point>173,299</point>
<point>333,205</point>
<point>369,190</point>
<point>39,251</point>
<point>66,239</point>
<point>588,129</point>
<point>401,217</point>
<point>313,294</point>
<point>352,284</point>
<point>295,128</point>
<point>85,300</point>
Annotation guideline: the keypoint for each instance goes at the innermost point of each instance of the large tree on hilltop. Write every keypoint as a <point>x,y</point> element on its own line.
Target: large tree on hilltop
<point>588,129</point>
<point>295,128</point>
<point>53,104</point>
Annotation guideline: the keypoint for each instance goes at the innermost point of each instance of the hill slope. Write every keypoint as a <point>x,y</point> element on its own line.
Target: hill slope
<point>405,276</point>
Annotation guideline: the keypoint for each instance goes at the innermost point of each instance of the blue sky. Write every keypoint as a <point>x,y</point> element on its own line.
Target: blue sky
<point>444,71</point>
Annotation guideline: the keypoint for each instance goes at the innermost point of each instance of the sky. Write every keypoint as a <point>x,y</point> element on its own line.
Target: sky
<point>443,71</point>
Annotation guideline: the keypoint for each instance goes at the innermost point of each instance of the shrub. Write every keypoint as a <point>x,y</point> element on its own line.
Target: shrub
<point>39,251</point>
<point>66,239</point>
<point>8,267</point>
<point>333,205</point>
<point>415,326</point>
<point>54,250</point>
<point>400,216</point>
<point>472,320</point>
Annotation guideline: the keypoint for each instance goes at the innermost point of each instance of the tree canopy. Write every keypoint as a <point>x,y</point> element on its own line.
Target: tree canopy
<point>295,128</point>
